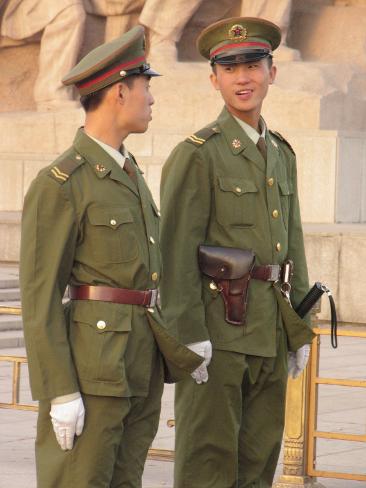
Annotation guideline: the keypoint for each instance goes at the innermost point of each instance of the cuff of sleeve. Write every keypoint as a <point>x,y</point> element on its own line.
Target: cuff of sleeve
<point>65,398</point>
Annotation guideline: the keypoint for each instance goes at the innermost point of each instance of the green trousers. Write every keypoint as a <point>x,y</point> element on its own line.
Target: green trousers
<point>112,449</point>
<point>229,430</point>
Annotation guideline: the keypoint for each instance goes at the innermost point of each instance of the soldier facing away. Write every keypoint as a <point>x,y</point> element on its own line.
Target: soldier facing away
<point>96,363</point>
<point>230,226</point>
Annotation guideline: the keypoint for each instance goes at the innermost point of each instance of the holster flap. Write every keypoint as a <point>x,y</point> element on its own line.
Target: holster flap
<point>225,263</point>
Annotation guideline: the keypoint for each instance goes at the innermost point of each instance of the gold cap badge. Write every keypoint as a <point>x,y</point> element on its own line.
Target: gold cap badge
<point>237,32</point>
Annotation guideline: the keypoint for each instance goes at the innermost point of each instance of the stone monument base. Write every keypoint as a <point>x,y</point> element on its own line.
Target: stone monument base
<point>336,252</point>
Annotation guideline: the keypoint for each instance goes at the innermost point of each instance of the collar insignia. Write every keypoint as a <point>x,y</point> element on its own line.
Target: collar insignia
<point>236,143</point>
<point>100,167</point>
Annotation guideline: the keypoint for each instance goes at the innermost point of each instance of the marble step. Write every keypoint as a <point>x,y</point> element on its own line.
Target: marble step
<point>10,322</point>
<point>9,295</point>
<point>11,338</point>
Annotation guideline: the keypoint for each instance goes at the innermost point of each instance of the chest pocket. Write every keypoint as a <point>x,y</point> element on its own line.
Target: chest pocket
<point>235,201</point>
<point>286,191</point>
<point>112,234</point>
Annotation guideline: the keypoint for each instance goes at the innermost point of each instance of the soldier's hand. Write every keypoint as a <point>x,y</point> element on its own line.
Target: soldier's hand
<point>67,420</point>
<point>204,349</point>
<point>298,360</point>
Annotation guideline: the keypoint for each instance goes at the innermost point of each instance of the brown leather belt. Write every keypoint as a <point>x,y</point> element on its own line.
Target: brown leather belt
<point>268,272</point>
<point>146,298</point>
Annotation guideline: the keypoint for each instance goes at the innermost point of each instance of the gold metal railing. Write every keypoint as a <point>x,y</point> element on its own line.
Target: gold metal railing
<point>17,361</point>
<point>10,311</point>
<point>313,433</point>
<point>299,466</point>
<point>299,459</point>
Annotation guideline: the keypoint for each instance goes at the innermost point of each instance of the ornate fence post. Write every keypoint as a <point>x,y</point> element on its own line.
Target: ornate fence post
<point>296,434</point>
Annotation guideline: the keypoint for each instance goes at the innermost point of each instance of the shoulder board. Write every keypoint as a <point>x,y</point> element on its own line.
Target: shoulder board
<point>63,169</point>
<point>281,138</point>
<point>201,136</point>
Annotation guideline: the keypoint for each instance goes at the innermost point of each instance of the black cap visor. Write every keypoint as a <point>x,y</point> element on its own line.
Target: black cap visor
<point>142,70</point>
<point>244,57</point>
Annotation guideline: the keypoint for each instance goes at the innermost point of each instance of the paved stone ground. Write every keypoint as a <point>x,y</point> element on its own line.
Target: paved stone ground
<point>340,410</point>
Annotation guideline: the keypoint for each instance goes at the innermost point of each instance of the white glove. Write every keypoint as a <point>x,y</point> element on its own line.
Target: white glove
<point>297,361</point>
<point>67,420</point>
<point>204,349</point>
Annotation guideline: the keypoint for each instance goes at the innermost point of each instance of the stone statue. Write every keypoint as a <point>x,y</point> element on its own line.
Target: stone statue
<point>279,12</point>
<point>121,15</point>
<point>166,22</point>
<point>60,27</point>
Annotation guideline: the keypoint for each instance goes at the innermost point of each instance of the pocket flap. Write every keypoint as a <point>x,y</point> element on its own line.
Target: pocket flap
<point>239,186</point>
<point>285,188</point>
<point>109,216</point>
<point>102,316</point>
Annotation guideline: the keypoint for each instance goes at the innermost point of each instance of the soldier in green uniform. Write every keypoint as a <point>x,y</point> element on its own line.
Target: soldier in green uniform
<point>89,221</point>
<point>233,185</point>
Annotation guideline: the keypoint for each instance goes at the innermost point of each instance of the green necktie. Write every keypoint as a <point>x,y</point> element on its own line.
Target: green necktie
<point>130,170</point>
<point>262,148</point>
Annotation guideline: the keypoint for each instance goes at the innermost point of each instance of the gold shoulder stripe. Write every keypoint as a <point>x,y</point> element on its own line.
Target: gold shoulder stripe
<point>59,176</point>
<point>196,140</point>
<point>65,175</point>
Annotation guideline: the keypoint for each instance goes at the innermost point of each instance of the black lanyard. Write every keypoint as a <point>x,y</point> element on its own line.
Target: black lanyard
<point>309,301</point>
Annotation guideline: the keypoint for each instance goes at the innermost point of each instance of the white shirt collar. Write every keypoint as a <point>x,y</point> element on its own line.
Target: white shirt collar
<point>116,155</point>
<point>252,133</point>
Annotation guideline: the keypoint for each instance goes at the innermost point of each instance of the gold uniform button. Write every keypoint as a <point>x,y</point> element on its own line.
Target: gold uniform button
<point>152,240</point>
<point>151,310</point>
<point>113,222</point>
<point>278,246</point>
<point>270,181</point>
<point>101,324</point>
<point>238,189</point>
<point>213,286</point>
<point>154,276</point>
<point>78,157</point>
<point>275,214</point>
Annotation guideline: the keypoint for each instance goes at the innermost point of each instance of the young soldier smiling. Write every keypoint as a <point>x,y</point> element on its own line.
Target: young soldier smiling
<point>230,190</point>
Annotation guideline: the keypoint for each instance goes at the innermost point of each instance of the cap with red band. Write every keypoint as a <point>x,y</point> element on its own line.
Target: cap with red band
<point>238,40</point>
<point>111,62</point>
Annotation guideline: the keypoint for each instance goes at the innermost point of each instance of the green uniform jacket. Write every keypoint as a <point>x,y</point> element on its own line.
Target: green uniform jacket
<point>217,189</point>
<point>85,222</point>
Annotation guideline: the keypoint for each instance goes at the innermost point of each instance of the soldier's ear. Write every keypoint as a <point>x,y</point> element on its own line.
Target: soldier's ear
<point>272,74</point>
<point>120,93</point>
<point>213,79</point>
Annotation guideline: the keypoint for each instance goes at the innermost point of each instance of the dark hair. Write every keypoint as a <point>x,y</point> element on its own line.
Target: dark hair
<point>92,101</point>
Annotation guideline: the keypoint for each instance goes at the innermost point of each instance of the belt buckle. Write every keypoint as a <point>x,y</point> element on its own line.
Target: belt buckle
<point>275,272</point>
<point>154,297</point>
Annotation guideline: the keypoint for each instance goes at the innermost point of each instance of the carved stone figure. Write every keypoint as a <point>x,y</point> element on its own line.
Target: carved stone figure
<point>278,12</point>
<point>60,27</point>
<point>166,23</point>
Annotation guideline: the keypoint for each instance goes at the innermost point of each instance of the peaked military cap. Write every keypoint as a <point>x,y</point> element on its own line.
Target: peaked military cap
<point>238,40</point>
<point>111,62</point>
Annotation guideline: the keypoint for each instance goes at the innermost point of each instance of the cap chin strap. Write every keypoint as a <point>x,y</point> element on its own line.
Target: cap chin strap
<point>240,58</point>
<point>140,70</point>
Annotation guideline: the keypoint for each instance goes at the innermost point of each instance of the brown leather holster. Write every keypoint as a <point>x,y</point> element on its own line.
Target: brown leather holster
<point>230,270</point>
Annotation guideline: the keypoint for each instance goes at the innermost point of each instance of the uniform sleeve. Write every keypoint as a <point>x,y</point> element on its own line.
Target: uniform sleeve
<point>49,232</point>
<point>185,209</point>
<point>296,250</point>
